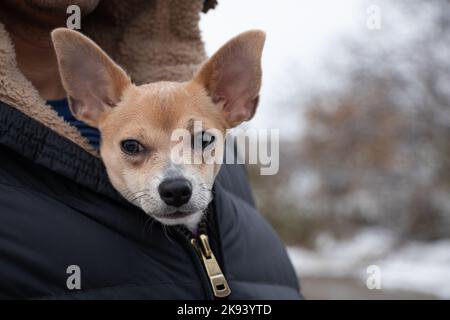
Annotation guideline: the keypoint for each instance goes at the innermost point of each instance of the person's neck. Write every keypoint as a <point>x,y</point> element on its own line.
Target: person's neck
<point>35,56</point>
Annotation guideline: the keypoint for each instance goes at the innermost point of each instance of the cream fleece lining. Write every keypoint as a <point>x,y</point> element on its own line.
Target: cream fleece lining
<point>153,40</point>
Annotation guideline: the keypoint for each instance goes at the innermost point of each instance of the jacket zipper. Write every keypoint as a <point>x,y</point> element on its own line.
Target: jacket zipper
<point>200,243</point>
<point>216,277</point>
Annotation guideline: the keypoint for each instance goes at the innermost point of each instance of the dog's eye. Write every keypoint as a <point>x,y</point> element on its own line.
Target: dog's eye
<point>131,147</point>
<point>203,139</point>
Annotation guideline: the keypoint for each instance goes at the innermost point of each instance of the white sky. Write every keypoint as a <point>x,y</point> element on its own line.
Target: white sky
<point>300,34</point>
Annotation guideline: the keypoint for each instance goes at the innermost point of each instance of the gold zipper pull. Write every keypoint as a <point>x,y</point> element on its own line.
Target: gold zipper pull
<point>216,278</point>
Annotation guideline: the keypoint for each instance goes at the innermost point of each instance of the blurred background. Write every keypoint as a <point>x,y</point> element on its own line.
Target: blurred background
<point>360,91</point>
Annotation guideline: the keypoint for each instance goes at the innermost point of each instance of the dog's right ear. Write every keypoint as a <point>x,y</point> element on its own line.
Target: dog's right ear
<point>93,82</point>
<point>232,76</point>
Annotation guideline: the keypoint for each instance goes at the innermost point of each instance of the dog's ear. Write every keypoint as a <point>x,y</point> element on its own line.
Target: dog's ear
<point>93,82</point>
<point>232,76</point>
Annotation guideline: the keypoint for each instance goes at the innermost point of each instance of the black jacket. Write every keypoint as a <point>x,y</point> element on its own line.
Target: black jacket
<point>58,209</point>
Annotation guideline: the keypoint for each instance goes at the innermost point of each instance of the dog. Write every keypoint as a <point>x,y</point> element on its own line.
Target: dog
<point>136,122</point>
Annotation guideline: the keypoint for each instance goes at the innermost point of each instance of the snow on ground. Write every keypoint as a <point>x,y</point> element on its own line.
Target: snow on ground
<point>414,266</point>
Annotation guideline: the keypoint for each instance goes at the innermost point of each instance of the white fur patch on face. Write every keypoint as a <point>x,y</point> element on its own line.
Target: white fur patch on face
<point>191,222</point>
<point>144,193</point>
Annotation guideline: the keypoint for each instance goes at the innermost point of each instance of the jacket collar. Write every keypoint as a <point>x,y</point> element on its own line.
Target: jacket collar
<point>45,147</point>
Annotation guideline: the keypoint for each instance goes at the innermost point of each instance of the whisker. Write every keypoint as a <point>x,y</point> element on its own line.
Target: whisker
<point>145,224</point>
<point>138,197</point>
<point>166,234</point>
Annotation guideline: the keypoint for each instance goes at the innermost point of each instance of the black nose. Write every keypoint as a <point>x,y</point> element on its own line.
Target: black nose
<point>175,192</point>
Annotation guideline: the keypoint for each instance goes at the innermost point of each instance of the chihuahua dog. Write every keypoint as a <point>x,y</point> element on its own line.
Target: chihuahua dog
<point>136,122</point>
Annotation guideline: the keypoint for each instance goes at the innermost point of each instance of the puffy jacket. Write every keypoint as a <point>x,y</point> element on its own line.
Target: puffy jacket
<point>58,209</point>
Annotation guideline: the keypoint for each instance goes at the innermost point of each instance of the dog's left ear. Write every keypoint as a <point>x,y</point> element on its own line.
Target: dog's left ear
<point>232,76</point>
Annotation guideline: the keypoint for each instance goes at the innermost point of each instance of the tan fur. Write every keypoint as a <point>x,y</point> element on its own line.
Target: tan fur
<point>221,95</point>
<point>150,114</point>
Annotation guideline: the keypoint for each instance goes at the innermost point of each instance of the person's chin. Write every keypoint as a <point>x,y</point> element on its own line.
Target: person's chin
<point>86,6</point>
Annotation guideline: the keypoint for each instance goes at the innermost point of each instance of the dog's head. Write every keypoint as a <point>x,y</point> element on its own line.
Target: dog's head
<point>137,123</point>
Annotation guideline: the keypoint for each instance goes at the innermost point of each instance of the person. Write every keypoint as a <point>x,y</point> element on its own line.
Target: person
<point>64,231</point>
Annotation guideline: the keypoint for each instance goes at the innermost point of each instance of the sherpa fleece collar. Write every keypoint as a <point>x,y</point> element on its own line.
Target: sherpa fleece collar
<point>18,91</point>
